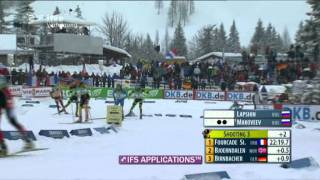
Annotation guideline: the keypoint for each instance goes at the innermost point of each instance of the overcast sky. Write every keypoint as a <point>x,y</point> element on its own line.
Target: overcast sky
<point>142,17</point>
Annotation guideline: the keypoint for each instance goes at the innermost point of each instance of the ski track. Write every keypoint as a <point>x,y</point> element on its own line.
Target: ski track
<point>96,157</point>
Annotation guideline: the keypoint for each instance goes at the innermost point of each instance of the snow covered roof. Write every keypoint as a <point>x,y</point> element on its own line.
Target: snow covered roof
<point>62,19</point>
<point>219,54</point>
<point>116,49</point>
<point>176,58</point>
<point>246,83</point>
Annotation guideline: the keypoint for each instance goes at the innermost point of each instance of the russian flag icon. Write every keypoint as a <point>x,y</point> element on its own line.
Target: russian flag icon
<point>285,114</point>
<point>262,142</point>
<point>286,122</point>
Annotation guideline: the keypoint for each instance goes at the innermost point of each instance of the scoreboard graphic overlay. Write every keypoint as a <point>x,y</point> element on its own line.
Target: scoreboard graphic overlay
<point>247,118</point>
<point>230,145</point>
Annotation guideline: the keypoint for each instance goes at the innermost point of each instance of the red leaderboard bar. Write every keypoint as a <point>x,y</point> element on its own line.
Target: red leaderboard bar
<point>160,159</point>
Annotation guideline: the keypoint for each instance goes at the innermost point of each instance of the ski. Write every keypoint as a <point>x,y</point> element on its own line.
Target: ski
<point>147,115</point>
<point>130,114</point>
<point>103,118</point>
<point>77,122</point>
<point>13,155</point>
<point>29,150</point>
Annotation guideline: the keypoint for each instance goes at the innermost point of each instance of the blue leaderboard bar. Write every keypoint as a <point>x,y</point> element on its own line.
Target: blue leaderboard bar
<point>247,118</point>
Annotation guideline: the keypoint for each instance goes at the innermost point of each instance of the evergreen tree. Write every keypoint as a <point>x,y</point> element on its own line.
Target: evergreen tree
<point>156,39</point>
<point>56,11</point>
<point>279,45</point>
<point>179,41</point>
<point>222,39</point>
<point>206,39</point>
<point>4,25</point>
<point>193,48</point>
<point>216,39</point>
<point>286,39</point>
<point>233,42</point>
<point>202,42</point>
<point>311,34</point>
<point>24,15</point>
<point>128,41</point>
<point>78,12</point>
<point>269,37</point>
<point>258,39</point>
<point>166,40</point>
<point>309,38</point>
<point>158,5</point>
<point>276,41</point>
<point>298,38</point>
<point>148,48</point>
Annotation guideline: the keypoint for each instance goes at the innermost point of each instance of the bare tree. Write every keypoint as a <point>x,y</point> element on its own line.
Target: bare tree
<point>191,7</point>
<point>159,5</point>
<point>180,12</point>
<point>114,28</point>
<point>173,13</point>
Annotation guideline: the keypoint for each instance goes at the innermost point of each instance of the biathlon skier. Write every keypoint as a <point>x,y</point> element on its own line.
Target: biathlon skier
<point>236,106</point>
<point>138,97</point>
<point>57,95</point>
<point>256,97</point>
<point>6,103</point>
<point>74,98</point>
<point>119,95</point>
<point>84,101</point>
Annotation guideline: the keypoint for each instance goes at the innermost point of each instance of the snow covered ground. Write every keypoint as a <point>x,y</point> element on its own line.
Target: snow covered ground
<point>96,157</point>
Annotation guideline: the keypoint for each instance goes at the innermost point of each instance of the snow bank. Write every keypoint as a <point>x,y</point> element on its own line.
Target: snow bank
<point>96,157</point>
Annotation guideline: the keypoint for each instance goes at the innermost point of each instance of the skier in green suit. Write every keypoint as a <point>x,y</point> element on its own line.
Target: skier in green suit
<point>138,96</point>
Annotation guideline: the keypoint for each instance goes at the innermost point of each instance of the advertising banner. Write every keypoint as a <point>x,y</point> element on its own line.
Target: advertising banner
<point>102,93</point>
<point>15,90</point>
<point>304,112</point>
<point>239,96</point>
<point>36,92</point>
<point>210,95</point>
<point>178,94</point>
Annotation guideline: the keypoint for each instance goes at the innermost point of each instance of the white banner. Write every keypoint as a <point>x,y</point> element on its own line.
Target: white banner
<point>15,90</point>
<point>36,92</point>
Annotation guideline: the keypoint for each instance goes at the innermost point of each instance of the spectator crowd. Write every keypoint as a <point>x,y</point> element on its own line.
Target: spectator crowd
<point>186,75</point>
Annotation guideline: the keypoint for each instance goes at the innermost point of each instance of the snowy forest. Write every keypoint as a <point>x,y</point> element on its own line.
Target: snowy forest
<point>211,37</point>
